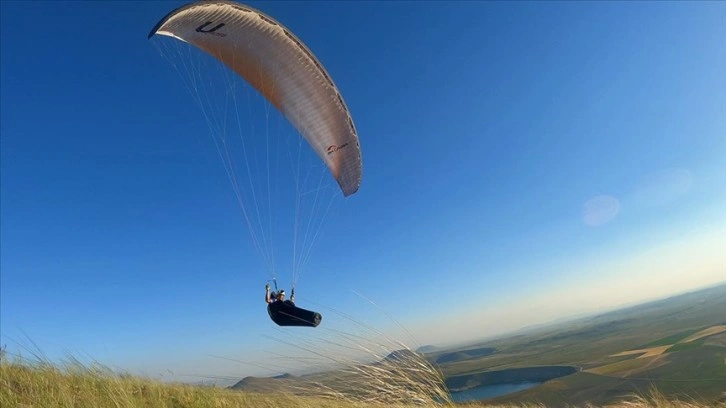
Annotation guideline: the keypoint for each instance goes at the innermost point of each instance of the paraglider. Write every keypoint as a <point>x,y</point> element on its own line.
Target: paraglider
<point>285,313</point>
<point>271,59</point>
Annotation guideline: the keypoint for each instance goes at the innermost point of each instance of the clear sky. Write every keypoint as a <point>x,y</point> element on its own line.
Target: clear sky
<point>521,162</point>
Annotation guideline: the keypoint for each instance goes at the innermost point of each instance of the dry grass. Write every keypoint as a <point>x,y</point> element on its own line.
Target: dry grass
<point>40,384</point>
<point>705,333</point>
<point>655,399</point>
<point>648,352</point>
<point>619,367</point>
<point>409,379</point>
<point>405,381</point>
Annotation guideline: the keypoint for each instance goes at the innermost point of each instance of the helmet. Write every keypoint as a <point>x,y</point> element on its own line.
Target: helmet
<point>281,292</point>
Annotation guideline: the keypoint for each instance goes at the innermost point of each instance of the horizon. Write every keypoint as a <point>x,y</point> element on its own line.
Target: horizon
<point>388,340</point>
<point>543,161</point>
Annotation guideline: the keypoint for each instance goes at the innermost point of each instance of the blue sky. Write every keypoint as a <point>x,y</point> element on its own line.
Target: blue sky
<point>521,162</point>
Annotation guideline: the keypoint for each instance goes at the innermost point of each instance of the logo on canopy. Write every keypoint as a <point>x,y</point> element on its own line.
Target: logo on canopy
<point>201,29</point>
<point>334,148</point>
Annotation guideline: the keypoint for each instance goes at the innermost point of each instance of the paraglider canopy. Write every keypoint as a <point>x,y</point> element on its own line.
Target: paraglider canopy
<point>276,63</point>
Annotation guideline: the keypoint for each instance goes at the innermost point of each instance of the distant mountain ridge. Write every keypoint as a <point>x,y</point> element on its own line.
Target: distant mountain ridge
<point>561,349</point>
<point>460,355</point>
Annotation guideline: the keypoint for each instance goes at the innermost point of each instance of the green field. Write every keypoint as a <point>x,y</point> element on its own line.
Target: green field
<point>691,370</point>
<point>672,339</point>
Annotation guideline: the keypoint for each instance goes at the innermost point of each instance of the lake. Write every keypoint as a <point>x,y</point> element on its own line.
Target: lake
<point>490,391</point>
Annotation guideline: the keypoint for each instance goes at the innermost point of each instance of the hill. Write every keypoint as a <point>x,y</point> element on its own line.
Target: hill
<point>677,344</point>
<point>31,384</point>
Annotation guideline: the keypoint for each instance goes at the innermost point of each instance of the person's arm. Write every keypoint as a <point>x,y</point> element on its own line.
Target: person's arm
<point>267,294</point>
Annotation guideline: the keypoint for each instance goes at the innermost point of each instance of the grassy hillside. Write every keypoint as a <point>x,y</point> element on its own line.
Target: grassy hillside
<point>24,384</point>
<point>41,384</point>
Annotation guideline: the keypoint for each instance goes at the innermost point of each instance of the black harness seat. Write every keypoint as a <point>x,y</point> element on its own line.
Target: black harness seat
<point>287,314</point>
